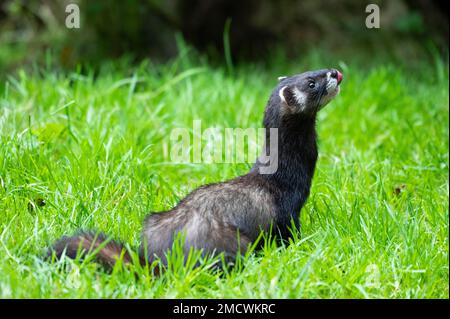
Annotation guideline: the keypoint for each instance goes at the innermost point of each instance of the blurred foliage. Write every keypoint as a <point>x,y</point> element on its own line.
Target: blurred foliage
<point>31,30</point>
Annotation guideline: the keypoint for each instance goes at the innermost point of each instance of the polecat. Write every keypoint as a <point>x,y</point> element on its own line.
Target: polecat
<point>227,217</point>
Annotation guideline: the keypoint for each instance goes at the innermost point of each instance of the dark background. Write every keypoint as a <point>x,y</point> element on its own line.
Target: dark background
<point>31,31</point>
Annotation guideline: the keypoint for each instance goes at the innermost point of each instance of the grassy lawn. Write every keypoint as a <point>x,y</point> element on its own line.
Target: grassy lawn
<point>91,146</point>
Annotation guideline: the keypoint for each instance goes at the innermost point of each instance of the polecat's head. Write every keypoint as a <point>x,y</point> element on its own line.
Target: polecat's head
<point>308,92</point>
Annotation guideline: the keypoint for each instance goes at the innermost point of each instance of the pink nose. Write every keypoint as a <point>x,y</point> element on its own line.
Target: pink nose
<point>339,77</point>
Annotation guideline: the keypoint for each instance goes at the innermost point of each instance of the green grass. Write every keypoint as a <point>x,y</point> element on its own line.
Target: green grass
<point>91,146</point>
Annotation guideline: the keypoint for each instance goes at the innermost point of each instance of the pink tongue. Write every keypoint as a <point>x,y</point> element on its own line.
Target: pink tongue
<point>339,77</point>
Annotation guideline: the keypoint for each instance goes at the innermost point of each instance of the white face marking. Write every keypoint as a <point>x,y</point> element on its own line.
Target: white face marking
<point>300,97</point>
<point>332,86</point>
<point>282,77</point>
<point>332,89</point>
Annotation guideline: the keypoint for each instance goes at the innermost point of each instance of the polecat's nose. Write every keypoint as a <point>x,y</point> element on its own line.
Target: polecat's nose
<point>337,75</point>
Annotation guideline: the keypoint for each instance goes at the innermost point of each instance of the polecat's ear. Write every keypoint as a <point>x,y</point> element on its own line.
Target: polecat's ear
<point>287,96</point>
<point>281,78</point>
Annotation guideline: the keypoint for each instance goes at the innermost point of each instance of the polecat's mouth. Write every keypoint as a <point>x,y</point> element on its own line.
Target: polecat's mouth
<point>334,79</point>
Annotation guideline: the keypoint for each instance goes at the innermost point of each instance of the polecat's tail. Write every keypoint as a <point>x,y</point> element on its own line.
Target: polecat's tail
<point>104,250</point>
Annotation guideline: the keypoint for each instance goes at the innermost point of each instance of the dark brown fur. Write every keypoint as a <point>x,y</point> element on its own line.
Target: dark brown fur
<point>86,243</point>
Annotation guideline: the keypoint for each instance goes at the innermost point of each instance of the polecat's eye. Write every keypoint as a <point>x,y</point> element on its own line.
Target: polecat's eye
<point>312,84</point>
